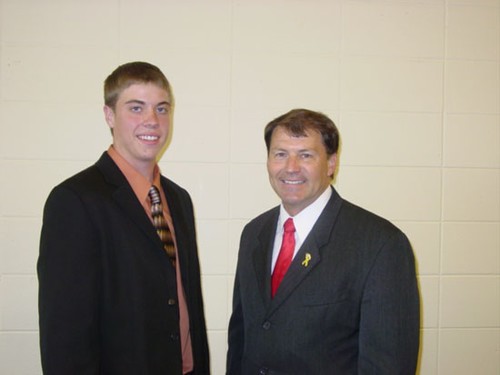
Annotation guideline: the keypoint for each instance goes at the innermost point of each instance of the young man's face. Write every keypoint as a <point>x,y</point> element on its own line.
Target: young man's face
<point>140,123</point>
<point>299,168</point>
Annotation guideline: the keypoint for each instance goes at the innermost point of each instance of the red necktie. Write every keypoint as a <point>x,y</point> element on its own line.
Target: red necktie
<point>285,256</point>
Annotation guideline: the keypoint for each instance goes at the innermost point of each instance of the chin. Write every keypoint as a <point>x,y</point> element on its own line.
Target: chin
<point>292,203</point>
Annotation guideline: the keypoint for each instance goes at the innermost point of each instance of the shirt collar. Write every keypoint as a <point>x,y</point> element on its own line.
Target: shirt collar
<point>140,185</point>
<point>305,219</point>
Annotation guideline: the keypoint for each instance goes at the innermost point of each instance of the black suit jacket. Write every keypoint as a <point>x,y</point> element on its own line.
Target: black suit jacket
<point>107,293</point>
<point>353,308</point>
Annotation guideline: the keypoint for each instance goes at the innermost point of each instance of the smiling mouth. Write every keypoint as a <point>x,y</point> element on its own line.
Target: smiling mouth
<point>148,137</point>
<point>293,182</point>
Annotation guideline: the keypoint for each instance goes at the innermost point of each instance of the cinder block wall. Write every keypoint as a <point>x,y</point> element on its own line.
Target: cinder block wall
<point>413,86</point>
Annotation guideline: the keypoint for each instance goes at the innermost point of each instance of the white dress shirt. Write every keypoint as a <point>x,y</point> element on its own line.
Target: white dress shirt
<point>303,221</point>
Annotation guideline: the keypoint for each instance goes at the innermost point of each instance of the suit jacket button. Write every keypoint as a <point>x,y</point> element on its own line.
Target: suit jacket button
<point>172,301</point>
<point>174,337</point>
<point>266,325</point>
<point>263,371</point>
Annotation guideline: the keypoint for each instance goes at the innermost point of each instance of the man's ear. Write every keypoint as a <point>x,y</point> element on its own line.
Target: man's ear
<point>332,164</point>
<point>109,116</point>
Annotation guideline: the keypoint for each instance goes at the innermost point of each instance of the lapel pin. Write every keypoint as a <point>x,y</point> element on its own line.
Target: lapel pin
<point>306,260</point>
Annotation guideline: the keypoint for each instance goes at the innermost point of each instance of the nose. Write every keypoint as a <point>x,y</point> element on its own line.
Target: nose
<point>292,164</point>
<point>151,118</point>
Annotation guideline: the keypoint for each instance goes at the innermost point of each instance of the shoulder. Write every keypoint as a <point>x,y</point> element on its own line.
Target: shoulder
<point>363,217</point>
<point>100,178</point>
<point>82,181</point>
<point>70,197</point>
<point>358,223</point>
<point>263,221</point>
<point>171,185</point>
<point>366,236</point>
<point>173,189</point>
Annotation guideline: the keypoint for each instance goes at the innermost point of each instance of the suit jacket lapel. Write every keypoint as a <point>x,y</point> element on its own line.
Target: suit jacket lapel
<point>262,255</point>
<point>125,198</point>
<point>175,207</point>
<point>309,254</point>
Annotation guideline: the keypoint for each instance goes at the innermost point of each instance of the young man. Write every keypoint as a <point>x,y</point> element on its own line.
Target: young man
<point>322,286</point>
<point>114,297</point>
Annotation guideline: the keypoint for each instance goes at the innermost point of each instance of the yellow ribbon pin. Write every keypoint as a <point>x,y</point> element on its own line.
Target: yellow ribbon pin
<point>306,260</point>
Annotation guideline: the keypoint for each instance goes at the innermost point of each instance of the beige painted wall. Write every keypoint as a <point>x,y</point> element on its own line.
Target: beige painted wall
<point>413,86</point>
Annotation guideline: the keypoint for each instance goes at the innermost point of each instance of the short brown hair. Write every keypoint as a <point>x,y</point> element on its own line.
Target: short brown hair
<point>298,121</point>
<point>128,74</point>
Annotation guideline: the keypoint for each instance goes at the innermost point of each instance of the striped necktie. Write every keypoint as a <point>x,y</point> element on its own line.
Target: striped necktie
<point>160,223</point>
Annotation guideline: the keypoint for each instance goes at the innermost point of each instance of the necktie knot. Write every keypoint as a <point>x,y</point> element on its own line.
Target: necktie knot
<point>154,195</point>
<point>289,227</point>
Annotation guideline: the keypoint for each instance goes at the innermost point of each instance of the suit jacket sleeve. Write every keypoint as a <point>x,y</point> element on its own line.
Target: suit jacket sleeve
<point>236,335</point>
<point>68,271</point>
<point>390,319</point>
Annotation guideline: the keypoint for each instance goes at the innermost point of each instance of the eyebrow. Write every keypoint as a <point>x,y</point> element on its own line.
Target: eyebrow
<point>302,150</point>
<point>137,101</point>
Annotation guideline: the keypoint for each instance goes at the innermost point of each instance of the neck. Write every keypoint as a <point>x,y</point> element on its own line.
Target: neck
<point>147,171</point>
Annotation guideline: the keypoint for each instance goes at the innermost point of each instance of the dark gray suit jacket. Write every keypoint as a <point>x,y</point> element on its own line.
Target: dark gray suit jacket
<point>352,309</point>
<point>107,294</point>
